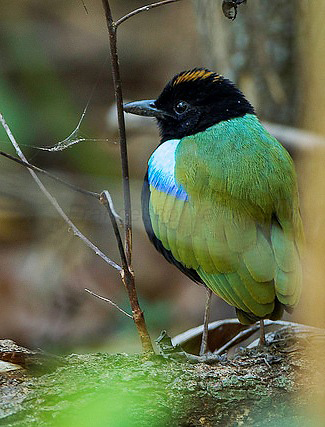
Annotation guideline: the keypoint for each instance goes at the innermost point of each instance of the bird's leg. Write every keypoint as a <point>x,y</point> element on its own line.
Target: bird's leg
<point>262,333</point>
<point>204,342</point>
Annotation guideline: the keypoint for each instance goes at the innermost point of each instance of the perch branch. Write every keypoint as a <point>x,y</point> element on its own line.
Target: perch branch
<point>121,125</point>
<point>109,301</point>
<point>54,202</point>
<point>143,9</point>
<point>126,273</point>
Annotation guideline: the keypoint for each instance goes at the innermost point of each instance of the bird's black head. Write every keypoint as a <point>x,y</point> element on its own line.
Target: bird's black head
<point>191,102</point>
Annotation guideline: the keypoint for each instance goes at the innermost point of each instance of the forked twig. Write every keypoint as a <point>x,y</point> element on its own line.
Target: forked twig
<point>115,218</point>
<point>54,202</point>
<point>143,9</point>
<point>109,301</point>
<point>106,200</point>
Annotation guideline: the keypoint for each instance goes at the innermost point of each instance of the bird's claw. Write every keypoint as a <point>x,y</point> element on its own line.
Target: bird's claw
<point>168,351</point>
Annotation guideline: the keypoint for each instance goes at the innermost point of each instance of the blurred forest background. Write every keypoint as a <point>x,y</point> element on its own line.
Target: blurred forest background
<point>54,61</point>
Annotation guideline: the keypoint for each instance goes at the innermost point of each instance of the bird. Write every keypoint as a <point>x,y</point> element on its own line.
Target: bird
<point>220,198</point>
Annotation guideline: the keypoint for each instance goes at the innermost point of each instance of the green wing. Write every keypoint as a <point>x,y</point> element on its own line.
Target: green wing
<point>240,229</point>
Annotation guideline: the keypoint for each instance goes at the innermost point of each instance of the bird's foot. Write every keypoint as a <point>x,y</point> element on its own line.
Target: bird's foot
<point>168,351</point>
<point>262,343</point>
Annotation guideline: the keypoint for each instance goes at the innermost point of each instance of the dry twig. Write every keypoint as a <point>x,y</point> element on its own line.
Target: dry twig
<point>109,301</point>
<point>143,9</point>
<point>54,202</point>
<point>50,175</point>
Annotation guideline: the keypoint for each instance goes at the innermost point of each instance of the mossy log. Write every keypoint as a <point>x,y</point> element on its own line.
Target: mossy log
<point>252,387</point>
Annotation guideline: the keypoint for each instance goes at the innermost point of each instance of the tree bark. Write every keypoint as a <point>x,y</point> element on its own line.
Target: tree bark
<point>257,50</point>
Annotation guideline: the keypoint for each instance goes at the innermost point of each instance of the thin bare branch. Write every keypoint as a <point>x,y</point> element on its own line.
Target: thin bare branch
<point>112,208</point>
<point>143,9</point>
<point>106,200</point>
<point>54,202</point>
<point>127,273</point>
<point>109,301</point>
<point>84,6</point>
<point>56,178</point>
<point>121,125</point>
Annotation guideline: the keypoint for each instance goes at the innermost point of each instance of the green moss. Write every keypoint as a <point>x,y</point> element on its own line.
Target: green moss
<point>120,390</point>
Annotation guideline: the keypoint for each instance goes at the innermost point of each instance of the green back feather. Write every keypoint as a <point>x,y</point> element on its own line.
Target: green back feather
<point>241,227</point>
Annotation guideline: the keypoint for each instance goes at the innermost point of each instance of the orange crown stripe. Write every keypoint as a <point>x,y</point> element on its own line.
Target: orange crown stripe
<point>195,75</point>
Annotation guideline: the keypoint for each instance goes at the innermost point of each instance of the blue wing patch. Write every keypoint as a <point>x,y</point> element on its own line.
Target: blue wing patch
<point>161,170</point>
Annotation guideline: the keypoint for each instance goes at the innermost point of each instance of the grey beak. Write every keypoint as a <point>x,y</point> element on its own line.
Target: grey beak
<point>145,108</point>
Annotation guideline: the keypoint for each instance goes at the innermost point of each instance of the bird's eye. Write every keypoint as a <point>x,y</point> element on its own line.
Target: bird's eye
<point>181,107</point>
